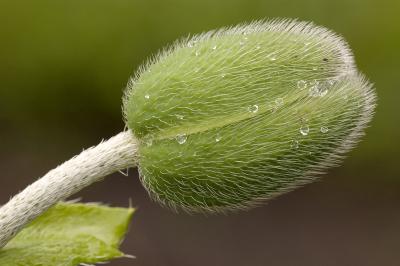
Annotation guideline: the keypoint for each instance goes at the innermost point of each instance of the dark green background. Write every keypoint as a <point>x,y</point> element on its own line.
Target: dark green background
<point>63,68</point>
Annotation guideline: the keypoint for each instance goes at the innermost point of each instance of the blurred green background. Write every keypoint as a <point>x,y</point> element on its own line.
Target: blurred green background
<point>63,68</point>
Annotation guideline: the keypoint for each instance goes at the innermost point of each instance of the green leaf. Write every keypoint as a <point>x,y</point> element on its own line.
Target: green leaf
<point>69,234</point>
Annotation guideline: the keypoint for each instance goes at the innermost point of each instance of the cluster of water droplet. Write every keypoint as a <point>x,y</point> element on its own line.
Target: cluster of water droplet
<point>317,88</point>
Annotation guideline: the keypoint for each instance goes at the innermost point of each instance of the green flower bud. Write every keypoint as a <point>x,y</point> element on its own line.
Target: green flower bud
<point>233,117</point>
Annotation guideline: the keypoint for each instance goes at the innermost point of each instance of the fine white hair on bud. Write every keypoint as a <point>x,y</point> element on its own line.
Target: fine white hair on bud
<point>233,117</point>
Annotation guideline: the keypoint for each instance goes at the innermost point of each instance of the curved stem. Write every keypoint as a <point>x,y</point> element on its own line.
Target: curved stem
<point>119,152</point>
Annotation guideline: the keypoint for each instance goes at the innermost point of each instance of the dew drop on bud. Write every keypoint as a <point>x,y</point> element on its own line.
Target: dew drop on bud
<point>272,56</point>
<point>304,130</point>
<point>323,91</point>
<point>181,138</point>
<point>279,101</point>
<point>301,84</point>
<point>324,129</point>
<point>253,108</point>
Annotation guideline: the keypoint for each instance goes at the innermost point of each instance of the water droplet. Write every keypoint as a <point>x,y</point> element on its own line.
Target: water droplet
<point>197,53</point>
<point>274,108</point>
<point>322,88</point>
<point>324,129</point>
<point>180,117</point>
<point>323,91</point>
<point>253,108</point>
<point>218,137</point>
<point>258,47</point>
<point>272,56</point>
<point>319,89</point>
<point>314,91</point>
<point>147,96</point>
<point>181,138</point>
<point>304,130</point>
<point>294,144</point>
<point>315,68</point>
<point>223,75</point>
<point>214,47</point>
<point>279,101</point>
<point>301,84</point>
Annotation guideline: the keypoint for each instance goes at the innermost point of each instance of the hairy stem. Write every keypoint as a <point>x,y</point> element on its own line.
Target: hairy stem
<point>90,166</point>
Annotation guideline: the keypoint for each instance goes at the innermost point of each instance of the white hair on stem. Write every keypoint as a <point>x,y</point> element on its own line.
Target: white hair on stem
<point>119,152</point>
